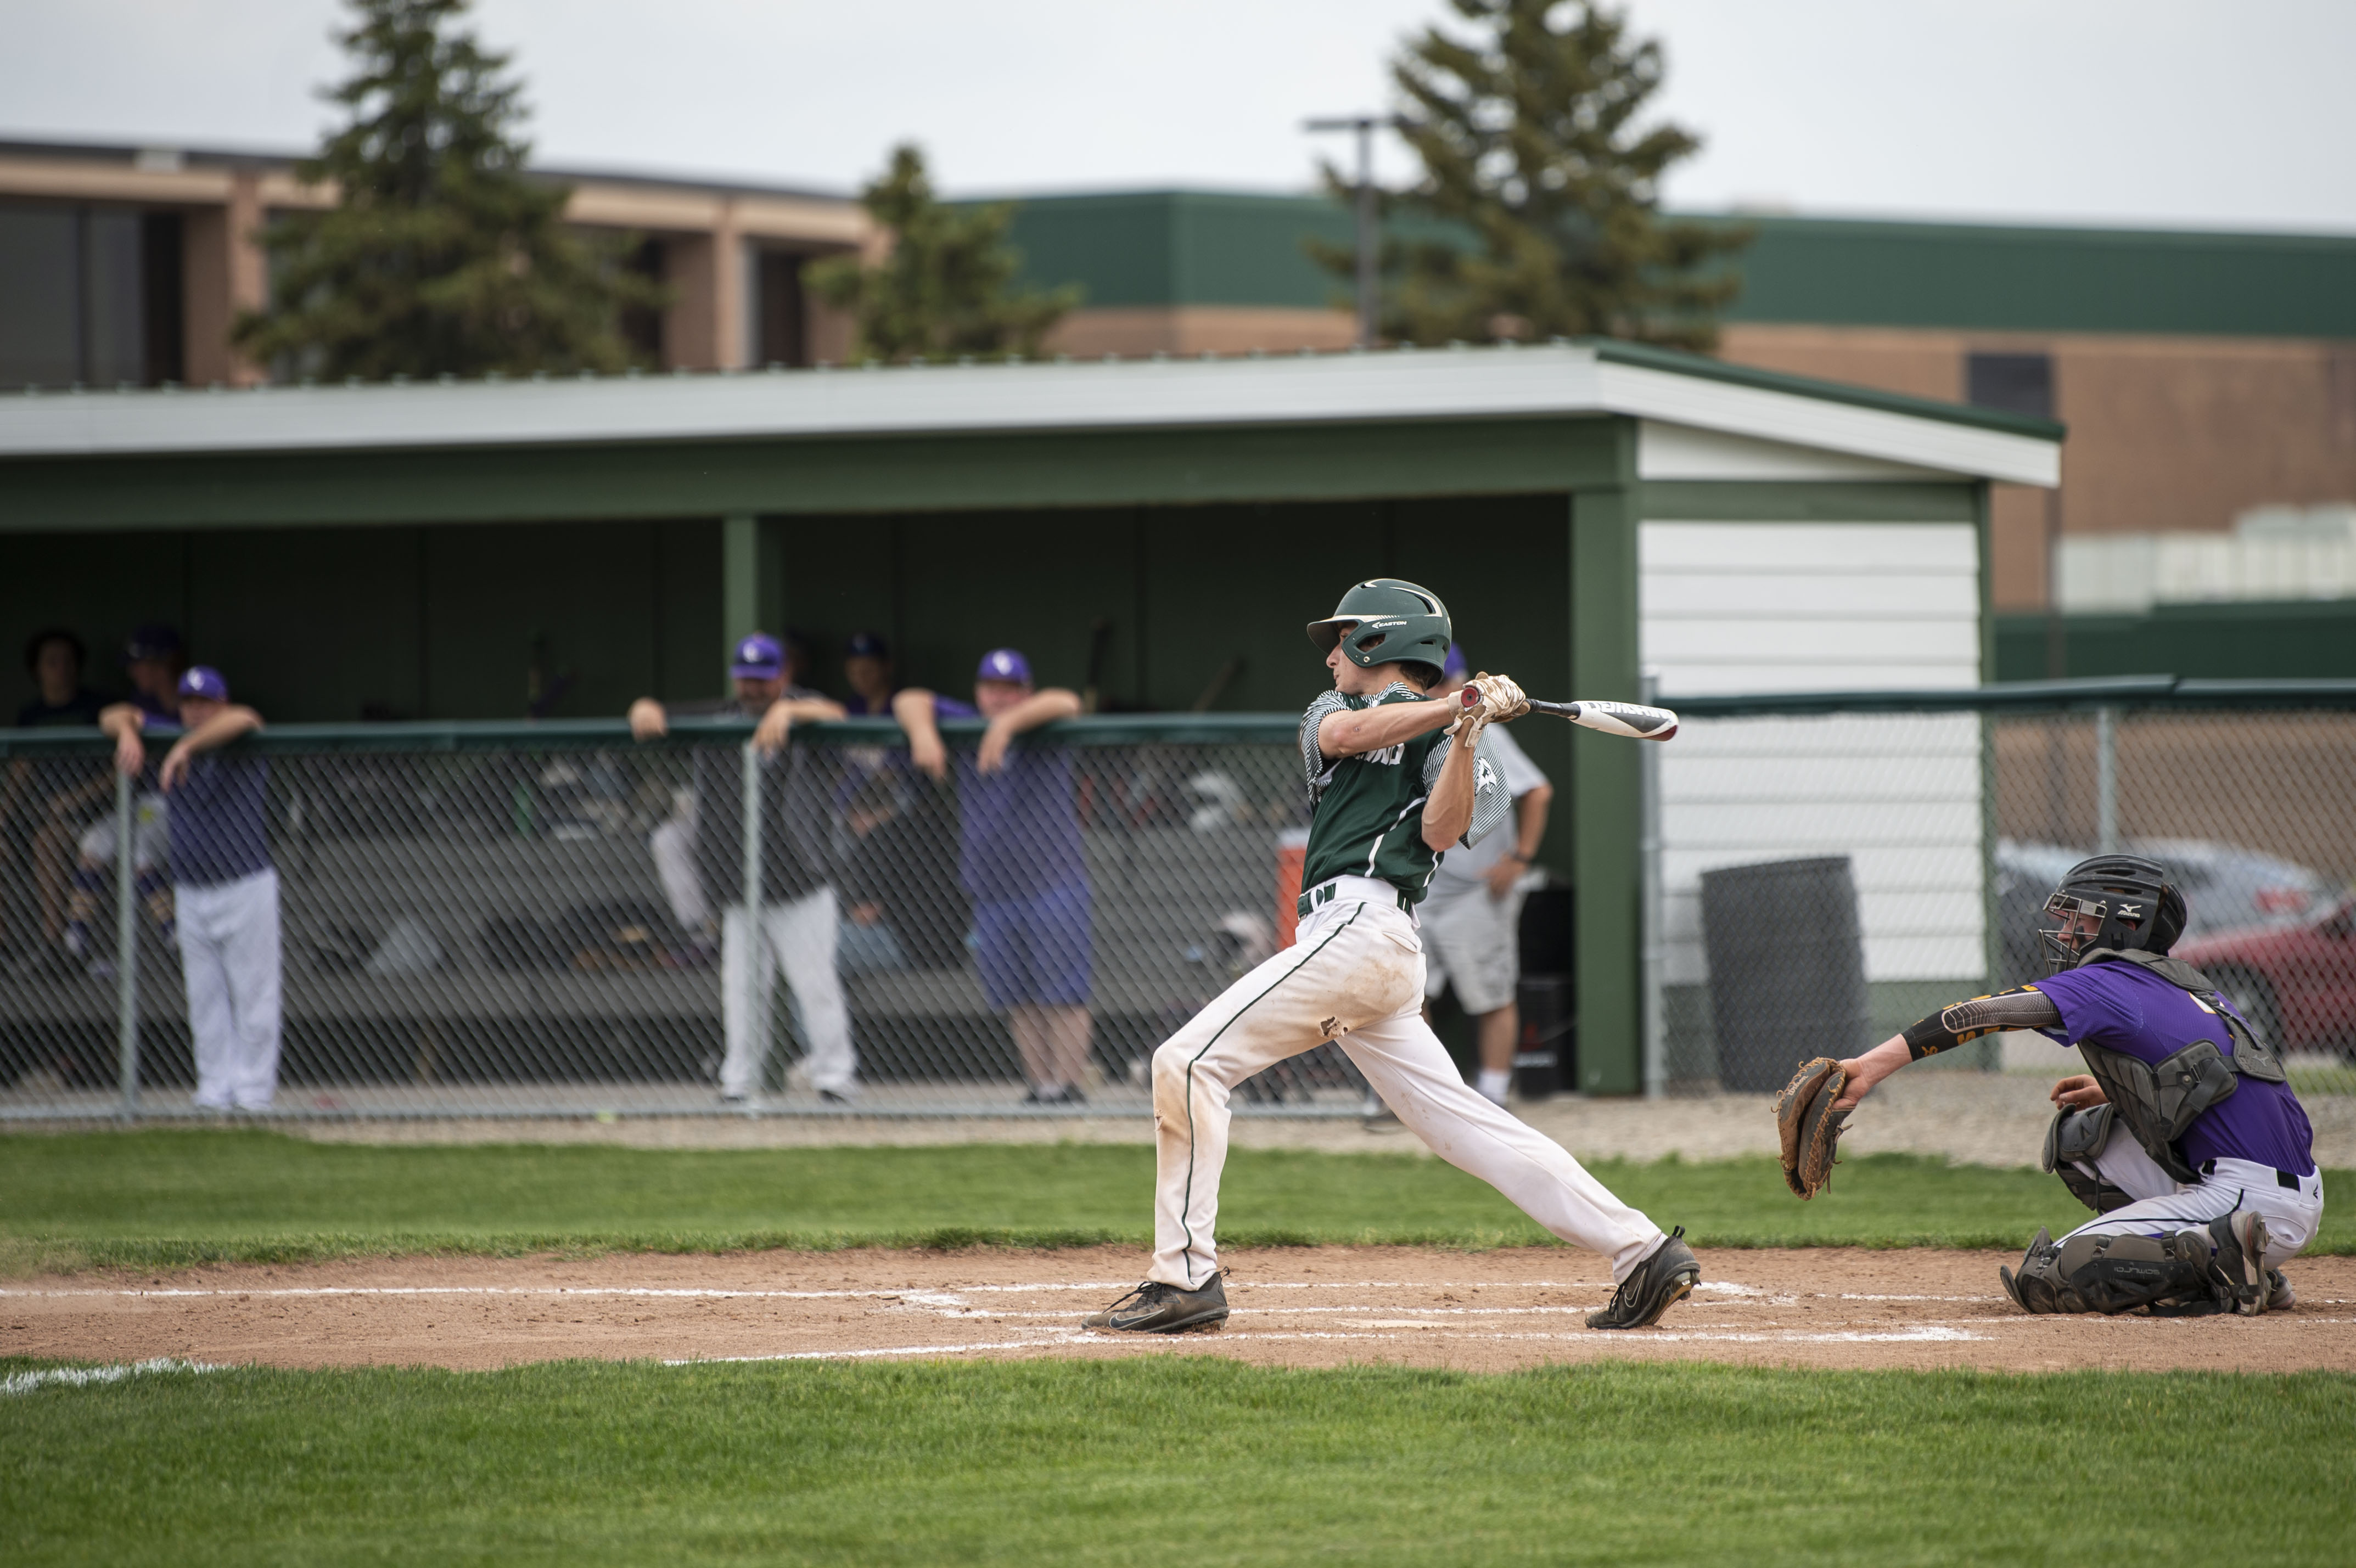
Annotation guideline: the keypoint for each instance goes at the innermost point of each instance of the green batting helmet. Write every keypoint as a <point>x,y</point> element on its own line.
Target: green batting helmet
<point>1384,619</point>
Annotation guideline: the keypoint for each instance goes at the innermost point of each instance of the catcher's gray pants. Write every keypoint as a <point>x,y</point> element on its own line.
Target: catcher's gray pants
<point>2164,1206</point>
<point>1353,973</point>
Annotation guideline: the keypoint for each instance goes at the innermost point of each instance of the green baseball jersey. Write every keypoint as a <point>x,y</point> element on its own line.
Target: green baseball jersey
<point>1367,811</point>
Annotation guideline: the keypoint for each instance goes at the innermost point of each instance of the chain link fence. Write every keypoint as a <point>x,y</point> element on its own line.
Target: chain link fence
<point>1825,869</point>
<point>551,920</point>
<point>484,920</point>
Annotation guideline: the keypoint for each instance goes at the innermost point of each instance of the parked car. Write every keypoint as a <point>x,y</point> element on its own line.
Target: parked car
<point>2230,889</point>
<point>2226,889</point>
<point>2294,982</point>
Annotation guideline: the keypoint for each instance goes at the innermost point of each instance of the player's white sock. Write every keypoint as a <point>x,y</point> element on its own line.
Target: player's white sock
<point>1493,1082</point>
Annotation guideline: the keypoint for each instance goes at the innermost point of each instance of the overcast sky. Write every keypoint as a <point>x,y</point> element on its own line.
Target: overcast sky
<point>2101,111</point>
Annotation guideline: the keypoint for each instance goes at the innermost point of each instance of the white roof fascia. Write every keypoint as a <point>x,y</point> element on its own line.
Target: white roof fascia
<point>1797,420</point>
<point>1673,451</point>
<point>1472,384</point>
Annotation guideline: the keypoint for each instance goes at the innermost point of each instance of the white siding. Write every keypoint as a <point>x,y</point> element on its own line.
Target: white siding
<point>1754,607</point>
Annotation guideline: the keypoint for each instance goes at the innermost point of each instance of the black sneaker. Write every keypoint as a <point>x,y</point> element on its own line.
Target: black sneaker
<point>1154,1307</point>
<point>1659,1282</point>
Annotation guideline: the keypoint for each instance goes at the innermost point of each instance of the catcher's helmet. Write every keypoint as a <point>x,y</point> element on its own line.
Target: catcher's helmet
<point>2131,900</point>
<point>1384,619</point>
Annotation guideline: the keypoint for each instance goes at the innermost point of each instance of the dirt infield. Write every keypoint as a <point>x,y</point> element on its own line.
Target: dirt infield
<point>1293,1306</point>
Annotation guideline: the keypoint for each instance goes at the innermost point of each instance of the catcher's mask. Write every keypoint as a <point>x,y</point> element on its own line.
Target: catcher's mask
<point>2130,901</point>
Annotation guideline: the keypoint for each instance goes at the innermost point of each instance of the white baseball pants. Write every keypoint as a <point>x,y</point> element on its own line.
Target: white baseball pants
<point>673,846</point>
<point>2164,1206</point>
<point>1355,974</point>
<point>797,937</point>
<point>229,962</point>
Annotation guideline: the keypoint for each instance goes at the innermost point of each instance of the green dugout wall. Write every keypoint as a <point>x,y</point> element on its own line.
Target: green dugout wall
<point>448,551</point>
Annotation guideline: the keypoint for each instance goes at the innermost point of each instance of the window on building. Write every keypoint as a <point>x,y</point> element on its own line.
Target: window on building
<point>89,296</point>
<point>2015,383</point>
<point>642,329</point>
<point>778,309</point>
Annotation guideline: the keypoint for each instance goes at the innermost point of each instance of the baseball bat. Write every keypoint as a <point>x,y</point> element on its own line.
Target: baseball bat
<point>1632,720</point>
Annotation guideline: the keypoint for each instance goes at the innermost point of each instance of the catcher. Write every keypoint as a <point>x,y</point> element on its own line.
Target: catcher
<point>2182,1137</point>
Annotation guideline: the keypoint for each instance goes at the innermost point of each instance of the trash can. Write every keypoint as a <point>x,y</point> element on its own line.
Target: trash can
<point>1545,1057</point>
<point>1786,968</point>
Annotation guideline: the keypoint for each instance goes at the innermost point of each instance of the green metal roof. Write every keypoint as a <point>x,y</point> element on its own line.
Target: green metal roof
<point>1866,273</point>
<point>1202,248</point>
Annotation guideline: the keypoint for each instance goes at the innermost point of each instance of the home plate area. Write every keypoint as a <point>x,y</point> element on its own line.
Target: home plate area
<point>1473,1311</point>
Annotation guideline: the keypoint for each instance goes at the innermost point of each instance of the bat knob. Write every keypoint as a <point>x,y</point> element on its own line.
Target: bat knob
<point>1468,697</point>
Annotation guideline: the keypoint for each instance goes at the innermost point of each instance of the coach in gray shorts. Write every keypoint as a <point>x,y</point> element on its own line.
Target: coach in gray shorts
<point>1471,916</point>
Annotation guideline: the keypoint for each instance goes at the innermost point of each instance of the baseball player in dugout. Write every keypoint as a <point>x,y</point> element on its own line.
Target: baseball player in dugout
<point>225,888</point>
<point>2182,1137</point>
<point>796,927</point>
<point>1395,781</point>
<point>1020,857</point>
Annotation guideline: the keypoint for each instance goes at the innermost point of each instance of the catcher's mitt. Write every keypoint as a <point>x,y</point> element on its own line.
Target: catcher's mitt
<point>1810,1127</point>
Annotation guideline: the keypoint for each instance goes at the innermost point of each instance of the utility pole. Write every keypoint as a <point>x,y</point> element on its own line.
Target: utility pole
<point>1369,290</point>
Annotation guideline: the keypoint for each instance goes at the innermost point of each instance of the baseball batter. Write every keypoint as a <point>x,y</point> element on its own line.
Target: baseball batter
<point>2183,1135</point>
<point>1394,779</point>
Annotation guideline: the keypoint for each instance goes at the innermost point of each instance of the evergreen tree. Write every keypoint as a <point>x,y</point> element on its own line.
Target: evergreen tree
<point>1530,137</point>
<point>440,256</point>
<point>947,288</point>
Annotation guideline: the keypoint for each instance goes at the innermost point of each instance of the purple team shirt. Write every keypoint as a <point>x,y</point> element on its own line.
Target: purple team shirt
<point>1019,829</point>
<point>2128,1009</point>
<point>219,821</point>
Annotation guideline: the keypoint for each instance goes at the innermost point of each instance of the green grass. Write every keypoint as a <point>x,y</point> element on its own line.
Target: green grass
<point>164,1197</point>
<point>1183,1459</point>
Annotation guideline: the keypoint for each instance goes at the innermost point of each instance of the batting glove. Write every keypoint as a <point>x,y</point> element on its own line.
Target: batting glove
<point>1500,697</point>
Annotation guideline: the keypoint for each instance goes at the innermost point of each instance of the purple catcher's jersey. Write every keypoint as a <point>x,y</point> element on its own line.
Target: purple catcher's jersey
<point>2129,1009</point>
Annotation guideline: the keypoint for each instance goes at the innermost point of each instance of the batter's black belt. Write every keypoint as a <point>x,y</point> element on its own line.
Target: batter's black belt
<point>1323,893</point>
<point>2282,1177</point>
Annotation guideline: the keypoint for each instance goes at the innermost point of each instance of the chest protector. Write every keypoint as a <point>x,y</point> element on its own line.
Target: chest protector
<point>2157,1101</point>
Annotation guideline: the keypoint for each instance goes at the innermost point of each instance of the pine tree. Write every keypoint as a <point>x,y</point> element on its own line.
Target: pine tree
<point>440,256</point>
<point>947,288</point>
<point>1534,148</point>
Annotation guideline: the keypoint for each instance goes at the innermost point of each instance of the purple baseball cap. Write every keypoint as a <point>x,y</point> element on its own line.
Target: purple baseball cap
<point>1456,668</point>
<point>203,680</point>
<point>1004,664</point>
<point>152,641</point>
<point>758,657</point>
<point>867,645</point>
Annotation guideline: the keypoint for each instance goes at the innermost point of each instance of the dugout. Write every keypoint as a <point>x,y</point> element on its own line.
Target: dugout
<point>1589,511</point>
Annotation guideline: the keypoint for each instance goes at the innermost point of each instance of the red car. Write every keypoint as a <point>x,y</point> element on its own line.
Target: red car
<point>2297,983</point>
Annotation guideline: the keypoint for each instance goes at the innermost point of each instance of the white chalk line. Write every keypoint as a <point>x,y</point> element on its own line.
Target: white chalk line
<point>1933,1334</point>
<point>82,1377</point>
<point>912,1294</point>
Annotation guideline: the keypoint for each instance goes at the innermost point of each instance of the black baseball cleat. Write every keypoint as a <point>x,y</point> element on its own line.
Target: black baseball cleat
<point>1659,1282</point>
<point>1154,1307</point>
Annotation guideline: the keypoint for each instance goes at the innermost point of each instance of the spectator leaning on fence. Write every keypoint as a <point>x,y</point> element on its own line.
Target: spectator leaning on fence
<point>796,925</point>
<point>226,888</point>
<point>39,801</point>
<point>153,660</point>
<point>1019,857</point>
<point>1472,908</point>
